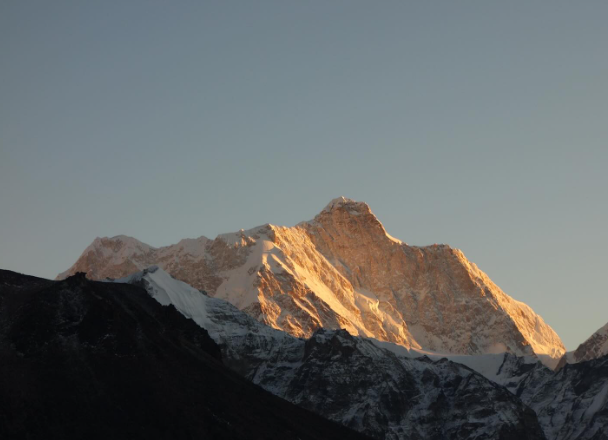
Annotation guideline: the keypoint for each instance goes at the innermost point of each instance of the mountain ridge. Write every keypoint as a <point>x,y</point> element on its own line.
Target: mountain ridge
<point>594,347</point>
<point>390,392</point>
<point>85,359</point>
<point>343,270</point>
<point>349,379</point>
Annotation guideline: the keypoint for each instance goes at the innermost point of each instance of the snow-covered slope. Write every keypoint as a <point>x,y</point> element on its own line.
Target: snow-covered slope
<point>342,270</point>
<point>389,391</point>
<point>243,340</point>
<point>572,403</point>
<point>352,380</point>
<point>594,347</point>
<point>504,369</point>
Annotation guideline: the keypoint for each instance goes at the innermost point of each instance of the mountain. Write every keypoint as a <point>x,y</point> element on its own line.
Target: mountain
<point>594,347</point>
<point>343,270</point>
<point>387,391</point>
<point>246,343</point>
<point>84,359</point>
<point>572,403</point>
<point>352,380</point>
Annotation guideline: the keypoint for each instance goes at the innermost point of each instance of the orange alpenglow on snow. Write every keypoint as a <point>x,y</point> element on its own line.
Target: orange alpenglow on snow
<point>343,270</point>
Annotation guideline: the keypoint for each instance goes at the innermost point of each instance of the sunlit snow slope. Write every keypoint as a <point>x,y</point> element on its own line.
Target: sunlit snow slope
<point>353,381</point>
<point>343,270</point>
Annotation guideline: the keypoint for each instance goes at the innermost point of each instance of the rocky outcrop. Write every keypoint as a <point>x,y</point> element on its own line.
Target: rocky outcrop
<point>351,380</point>
<point>342,270</point>
<point>594,347</point>
<point>572,403</point>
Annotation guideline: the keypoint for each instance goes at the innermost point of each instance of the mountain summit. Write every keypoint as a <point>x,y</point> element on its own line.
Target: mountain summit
<point>595,347</point>
<point>343,270</point>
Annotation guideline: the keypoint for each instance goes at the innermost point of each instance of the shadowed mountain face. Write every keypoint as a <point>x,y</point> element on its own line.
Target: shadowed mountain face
<point>356,381</point>
<point>572,403</point>
<point>389,392</point>
<point>83,359</point>
<point>343,270</point>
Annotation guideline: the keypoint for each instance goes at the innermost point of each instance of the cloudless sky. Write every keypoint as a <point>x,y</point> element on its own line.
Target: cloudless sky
<point>483,125</point>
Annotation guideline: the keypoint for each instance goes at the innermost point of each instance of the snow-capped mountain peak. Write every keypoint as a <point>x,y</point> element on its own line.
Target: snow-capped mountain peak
<point>344,202</point>
<point>343,270</point>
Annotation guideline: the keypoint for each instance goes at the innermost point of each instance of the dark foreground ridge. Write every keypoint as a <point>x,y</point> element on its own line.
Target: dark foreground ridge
<point>84,359</point>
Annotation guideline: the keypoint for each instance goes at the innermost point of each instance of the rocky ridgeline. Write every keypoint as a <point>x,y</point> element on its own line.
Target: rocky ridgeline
<point>343,270</point>
<point>386,391</point>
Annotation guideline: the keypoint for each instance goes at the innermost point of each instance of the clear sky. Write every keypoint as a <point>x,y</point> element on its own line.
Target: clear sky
<point>483,125</point>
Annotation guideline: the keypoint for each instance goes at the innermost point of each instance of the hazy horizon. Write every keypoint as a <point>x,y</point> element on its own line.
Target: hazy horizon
<point>480,126</point>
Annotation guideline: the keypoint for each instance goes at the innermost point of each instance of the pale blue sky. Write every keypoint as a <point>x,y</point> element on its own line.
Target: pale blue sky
<point>483,125</point>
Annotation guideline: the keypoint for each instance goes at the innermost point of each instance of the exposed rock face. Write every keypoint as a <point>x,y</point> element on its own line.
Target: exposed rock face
<point>594,347</point>
<point>572,403</point>
<point>349,379</point>
<point>388,391</point>
<point>352,380</point>
<point>448,303</point>
<point>89,360</point>
<point>342,270</point>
